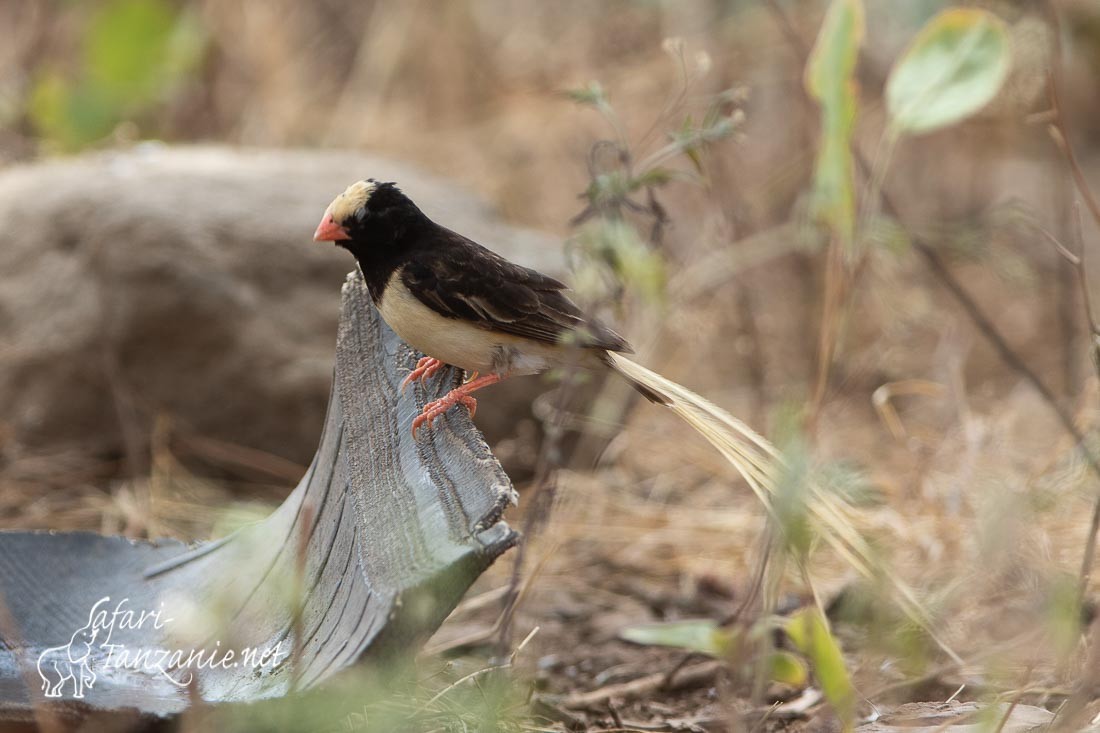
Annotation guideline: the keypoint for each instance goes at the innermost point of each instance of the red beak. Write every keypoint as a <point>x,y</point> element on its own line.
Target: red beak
<point>329,231</point>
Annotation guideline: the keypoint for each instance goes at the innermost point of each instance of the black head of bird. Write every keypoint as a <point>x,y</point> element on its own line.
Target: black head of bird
<point>369,213</point>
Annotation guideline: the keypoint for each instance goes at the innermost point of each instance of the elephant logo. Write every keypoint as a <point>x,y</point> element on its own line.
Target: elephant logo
<point>59,664</point>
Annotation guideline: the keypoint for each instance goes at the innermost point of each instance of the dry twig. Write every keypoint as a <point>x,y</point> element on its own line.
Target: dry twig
<point>694,676</point>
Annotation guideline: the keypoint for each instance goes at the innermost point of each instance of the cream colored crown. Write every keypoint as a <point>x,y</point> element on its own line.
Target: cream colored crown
<point>351,200</point>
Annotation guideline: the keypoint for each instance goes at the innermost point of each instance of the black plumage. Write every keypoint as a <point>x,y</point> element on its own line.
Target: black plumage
<point>460,279</point>
<point>459,302</point>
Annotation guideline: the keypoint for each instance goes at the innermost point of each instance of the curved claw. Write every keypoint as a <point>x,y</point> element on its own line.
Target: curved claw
<point>425,368</point>
<point>458,396</point>
<point>437,408</point>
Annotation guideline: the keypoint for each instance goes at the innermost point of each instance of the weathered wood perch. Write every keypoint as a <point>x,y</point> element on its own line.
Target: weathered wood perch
<point>374,547</point>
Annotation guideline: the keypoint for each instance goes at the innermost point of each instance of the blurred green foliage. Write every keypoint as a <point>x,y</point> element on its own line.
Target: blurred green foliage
<point>134,53</point>
<point>953,68</point>
<point>1065,616</point>
<point>705,636</point>
<point>614,253</point>
<point>697,635</point>
<point>830,79</point>
<point>792,501</point>
<point>609,254</point>
<point>877,623</point>
<point>448,697</point>
<point>809,632</point>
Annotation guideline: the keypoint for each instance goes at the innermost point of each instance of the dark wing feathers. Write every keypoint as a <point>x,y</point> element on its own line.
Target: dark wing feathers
<point>459,278</point>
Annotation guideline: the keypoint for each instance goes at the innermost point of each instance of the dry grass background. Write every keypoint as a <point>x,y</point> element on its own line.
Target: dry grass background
<point>979,502</point>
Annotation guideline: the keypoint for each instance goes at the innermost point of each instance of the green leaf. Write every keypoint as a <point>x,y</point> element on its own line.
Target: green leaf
<point>830,80</point>
<point>654,177</point>
<point>833,59</point>
<point>133,51</point>
<point>702,635</point>
<point>706,637</point>
<point>809,631</point>
<point>46,106</point>
<point>69,115</point>
<point>591,95</point>
<point>1063,616</point>
<point>690,138</point>
<point>609,188</point>
<point>788,669</point>
<point>953,68</point>
<point>128,46</point>
<point>615,244</point>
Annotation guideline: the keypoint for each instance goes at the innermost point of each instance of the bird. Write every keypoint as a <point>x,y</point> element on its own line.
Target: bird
<point>461,304</point>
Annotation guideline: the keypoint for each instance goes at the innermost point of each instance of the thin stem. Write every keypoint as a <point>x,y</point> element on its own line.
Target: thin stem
<point>1062,139</point>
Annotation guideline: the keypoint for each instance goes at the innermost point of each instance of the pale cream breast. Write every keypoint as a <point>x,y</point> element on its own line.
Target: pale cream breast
<point>460,343</point>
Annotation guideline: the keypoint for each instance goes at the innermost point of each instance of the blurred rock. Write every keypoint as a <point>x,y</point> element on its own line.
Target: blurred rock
<point>184,282</point>
<point>960,717</point>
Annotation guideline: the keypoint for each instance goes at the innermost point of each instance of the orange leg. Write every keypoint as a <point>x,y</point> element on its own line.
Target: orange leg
<point>425,368</point>
<point>457,396</point>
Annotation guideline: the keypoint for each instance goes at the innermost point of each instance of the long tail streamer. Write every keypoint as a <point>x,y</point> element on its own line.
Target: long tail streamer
<point>761,464</point>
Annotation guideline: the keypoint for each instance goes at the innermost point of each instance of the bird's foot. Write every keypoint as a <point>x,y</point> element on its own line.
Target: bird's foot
<point>458,396</point>
<point>435,408</point>
<point>425,368</point>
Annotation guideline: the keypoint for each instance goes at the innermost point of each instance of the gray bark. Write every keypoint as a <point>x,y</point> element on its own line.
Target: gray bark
<point>376,545</point>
